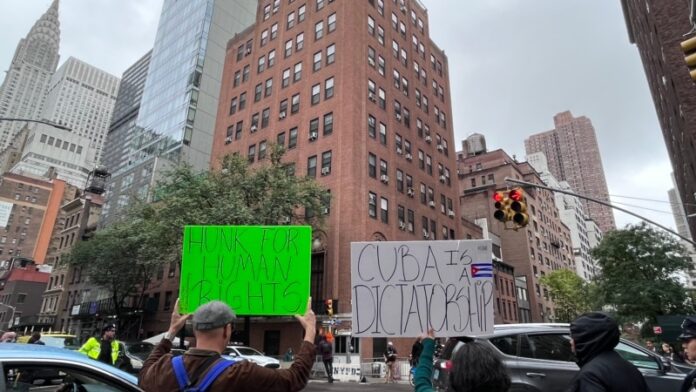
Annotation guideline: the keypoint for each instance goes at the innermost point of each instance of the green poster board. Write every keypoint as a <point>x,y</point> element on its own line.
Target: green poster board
<point>257,270</point>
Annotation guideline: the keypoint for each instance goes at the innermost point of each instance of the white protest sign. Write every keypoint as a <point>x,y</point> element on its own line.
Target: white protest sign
<point>405,288</point>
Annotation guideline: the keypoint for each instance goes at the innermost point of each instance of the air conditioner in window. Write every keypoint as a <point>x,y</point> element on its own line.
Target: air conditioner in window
<point>428,139</point>
<point>254,128</point>
<point>248,51</point>
<point>384,178</point>
<point>431,204</point>
<point>409,156</point>
<point>440,147</point>
<point>371,97</point>
<point>371,61</point>
<point>399,151</point>
<point>285,219</point>
<point>410,192</point>
<point>325,171</point>
<point>282,115</point>
<point>403,8</point>
<point>398,116</point>
<point>228,140</point>
<point>426,235</point>
<point>402,226</point>
<point>313,136</point>
<point>450,213</point>
<point>443,179</point>
<point>325,210</point>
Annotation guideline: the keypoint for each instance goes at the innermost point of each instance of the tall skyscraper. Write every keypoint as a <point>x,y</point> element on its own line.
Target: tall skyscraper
<point>334,82</point>
<point>82,97</point>
<point>573,156</point>
<point>176,119</point>
<point>657,27</point>
<point>23,92</point>
<point>122,132</point>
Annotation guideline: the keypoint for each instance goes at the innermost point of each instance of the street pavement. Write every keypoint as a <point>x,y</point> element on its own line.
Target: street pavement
<point>317,385</point>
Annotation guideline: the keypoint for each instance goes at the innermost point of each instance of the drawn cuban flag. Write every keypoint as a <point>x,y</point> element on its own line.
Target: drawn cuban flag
<point>482,270</point>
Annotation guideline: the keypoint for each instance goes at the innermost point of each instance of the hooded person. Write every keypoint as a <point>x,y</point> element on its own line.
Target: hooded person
<point>594,336</point>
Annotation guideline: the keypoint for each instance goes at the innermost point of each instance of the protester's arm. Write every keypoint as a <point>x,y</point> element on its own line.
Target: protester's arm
<point>164,346</point>
<point>424,370</point>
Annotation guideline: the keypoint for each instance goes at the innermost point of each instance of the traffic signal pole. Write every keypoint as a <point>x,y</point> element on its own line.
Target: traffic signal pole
<point>602,202</point>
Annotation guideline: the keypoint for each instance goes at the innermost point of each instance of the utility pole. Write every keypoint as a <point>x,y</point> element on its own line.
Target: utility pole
<point>602,202</point>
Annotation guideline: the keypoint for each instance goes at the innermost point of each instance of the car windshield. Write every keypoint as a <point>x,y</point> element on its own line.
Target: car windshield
<point>61,342</point>
<point>140,350</point>
<point>247,351</point>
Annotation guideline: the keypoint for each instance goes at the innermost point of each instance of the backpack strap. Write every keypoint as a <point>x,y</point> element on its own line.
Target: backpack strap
<point>180,373</point>
<point>214,373</point>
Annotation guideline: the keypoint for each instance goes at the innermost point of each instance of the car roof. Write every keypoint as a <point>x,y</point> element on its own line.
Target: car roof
<point>510,329</point>
<point>58,335</point>
<point>18,351</point>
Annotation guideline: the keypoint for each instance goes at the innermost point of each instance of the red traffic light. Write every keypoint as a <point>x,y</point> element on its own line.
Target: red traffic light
<point>516,195</point>
<point>498,196</point>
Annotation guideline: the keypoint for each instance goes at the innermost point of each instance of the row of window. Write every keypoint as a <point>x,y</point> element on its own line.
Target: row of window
<point>234,132</point>
<point>58,143</point>
<point>405,218</point>
<point>404,184</point>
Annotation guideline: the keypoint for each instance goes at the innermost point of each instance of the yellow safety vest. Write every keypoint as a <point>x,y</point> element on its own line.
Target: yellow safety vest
<point>92,348</point>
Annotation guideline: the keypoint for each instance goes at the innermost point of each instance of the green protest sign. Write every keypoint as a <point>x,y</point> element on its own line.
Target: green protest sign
<point>257,270</point>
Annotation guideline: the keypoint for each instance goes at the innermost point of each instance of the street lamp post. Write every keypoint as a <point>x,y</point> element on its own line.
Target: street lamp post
<point>13,313</point>
<point>36,121</point>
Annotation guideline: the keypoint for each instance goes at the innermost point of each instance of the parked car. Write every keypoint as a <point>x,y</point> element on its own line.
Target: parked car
<point>59,340</point>
<point>538,358</point>
<point>132,355</point>
<point>252,355</point>
<point>35,367</point>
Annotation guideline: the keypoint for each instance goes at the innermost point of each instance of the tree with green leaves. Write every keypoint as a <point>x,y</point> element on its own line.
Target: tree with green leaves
<point>125,257</point>
<point>638,279</point>
<point>571,295</point>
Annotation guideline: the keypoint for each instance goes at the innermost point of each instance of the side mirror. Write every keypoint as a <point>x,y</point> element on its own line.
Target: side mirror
<point>666,364</point>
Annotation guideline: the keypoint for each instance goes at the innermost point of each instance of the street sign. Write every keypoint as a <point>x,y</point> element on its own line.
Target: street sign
<point>257,270</point>
<point>657,330</point>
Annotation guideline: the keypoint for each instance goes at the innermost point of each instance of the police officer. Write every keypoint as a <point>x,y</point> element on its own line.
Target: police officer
<point>103,350</point>
<point>688,337</point>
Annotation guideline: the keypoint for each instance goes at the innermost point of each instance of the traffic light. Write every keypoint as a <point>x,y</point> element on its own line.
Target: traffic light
<point>502,206</point>
<point>689,49</point>
<point>519,207</point>
<point>329,307</point>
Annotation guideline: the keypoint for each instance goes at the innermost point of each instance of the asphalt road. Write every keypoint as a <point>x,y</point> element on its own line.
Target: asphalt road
<point>315,385</point>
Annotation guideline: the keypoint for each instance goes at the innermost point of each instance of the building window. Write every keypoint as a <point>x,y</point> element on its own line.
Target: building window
<point>370,26</point>
<point>258,92</point>
<point>237,81</point>
<point>283,110</point>
<point>423,195</point>
<point>384,209</point>
<point>331,22</point>
<point>298,72</point>
<point>316,94</point>
<point>299,42</point>
<point>411,219</point>
<point>429,164</point>
<point>319,30</point>
<point>238,130</point>
<point>291,20</point>
<point>381,65</point>
<point>252,153</point>
<point>383,134</point>
<point>264,37</point>
<point>265,116</point>
<point>326,163</point>
<point>301,14</point>
<point>371,126</point>
<point>380,35</point>
<point>383,169</point>
<point>312,166</point>
<point>167,301</point>
<point>286,78</point>
<point>269,88</point>
<point>382,98</point>
<point>421,160</point>
<point>331,54</point>
<point>372,165</point>
<point>328,123</point>
<point>399,181</point>
<point>261,64</point>
<point>316,63</point>
<point>245,73</point>
<point>313,129</point>
<point>288,48</point>
<point>292,141</point>
<point>233,106</point>
<point>295,104</point>
<point>280,139</point>
<point>372,205</point>
<point>320,5</point>
<point>274,31</point>
<point>329,88</point>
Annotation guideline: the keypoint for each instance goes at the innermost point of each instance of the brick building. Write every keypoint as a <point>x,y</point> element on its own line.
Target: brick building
<point>657,27</point>
<point>572,153</point>
<point>543,246</point>
<point>358,94</point>
<point>21,285</point>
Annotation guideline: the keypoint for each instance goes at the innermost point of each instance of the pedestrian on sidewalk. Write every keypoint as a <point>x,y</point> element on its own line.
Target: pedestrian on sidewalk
<point>204,368</point>
<point>475,368</point>
<point>326,351</point>
<point>593,338</point>
<point>390,359</point>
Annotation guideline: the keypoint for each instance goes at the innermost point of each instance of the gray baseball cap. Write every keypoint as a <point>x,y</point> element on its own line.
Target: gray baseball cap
<point>214,314</point>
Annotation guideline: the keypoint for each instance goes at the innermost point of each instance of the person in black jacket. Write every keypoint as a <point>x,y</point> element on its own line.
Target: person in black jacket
<point>594,336</point>
<point>688,338</point>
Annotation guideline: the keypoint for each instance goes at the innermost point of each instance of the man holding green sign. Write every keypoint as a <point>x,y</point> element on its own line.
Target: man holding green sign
<point>256,270</point>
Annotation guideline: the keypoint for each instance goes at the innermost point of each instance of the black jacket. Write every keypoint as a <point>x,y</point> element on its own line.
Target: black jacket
<point>601,368</point>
